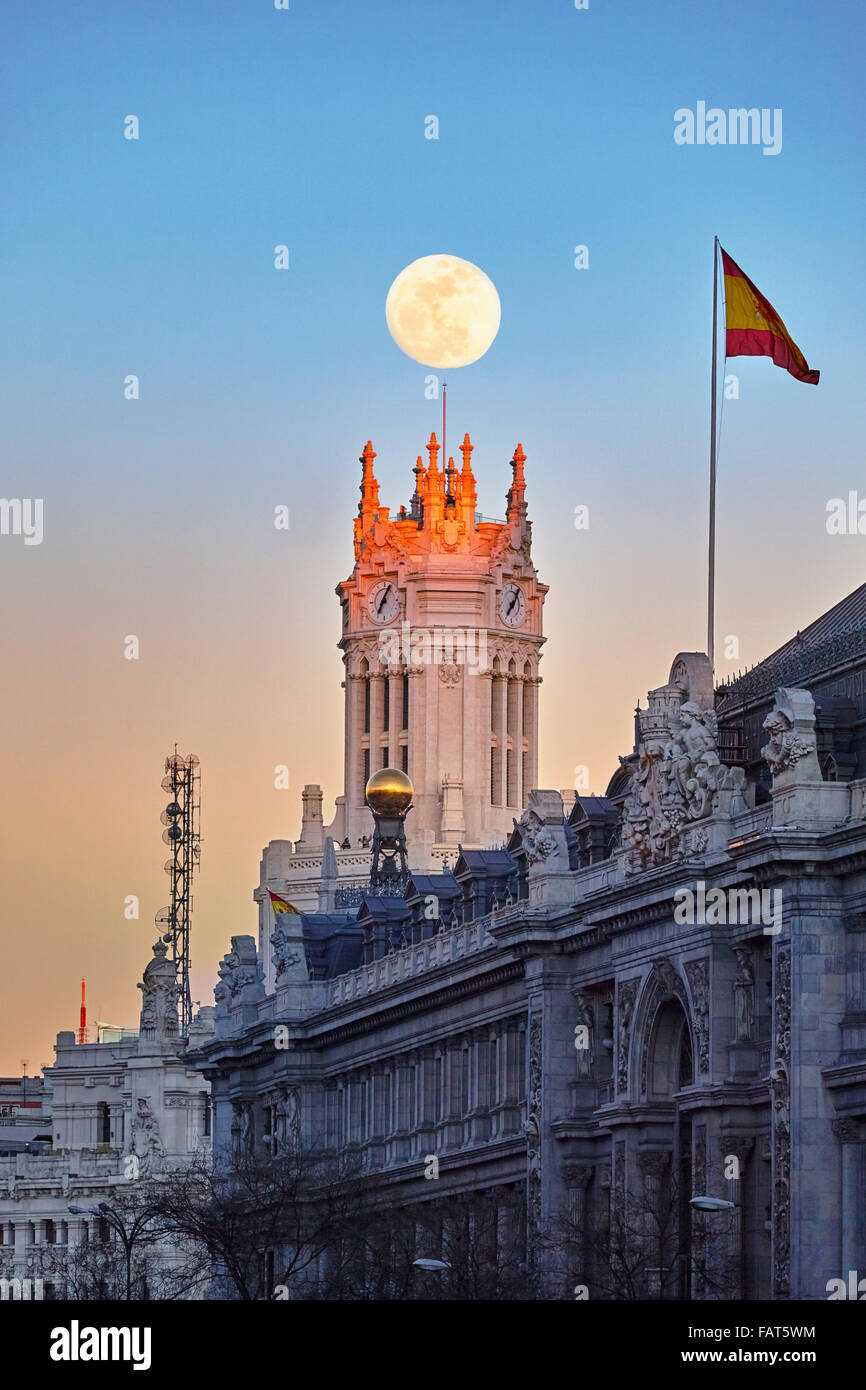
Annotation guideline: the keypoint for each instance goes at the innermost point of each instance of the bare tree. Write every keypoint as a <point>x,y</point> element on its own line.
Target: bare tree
<point>652,1247</point>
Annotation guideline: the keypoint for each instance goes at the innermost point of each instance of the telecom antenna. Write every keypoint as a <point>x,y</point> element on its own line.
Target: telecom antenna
<point>182,781</point>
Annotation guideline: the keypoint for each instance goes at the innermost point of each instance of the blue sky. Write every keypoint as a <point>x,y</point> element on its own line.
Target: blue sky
<point>259,387</point>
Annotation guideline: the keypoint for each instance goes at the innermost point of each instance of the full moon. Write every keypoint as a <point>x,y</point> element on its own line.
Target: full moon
<point>443,311</point>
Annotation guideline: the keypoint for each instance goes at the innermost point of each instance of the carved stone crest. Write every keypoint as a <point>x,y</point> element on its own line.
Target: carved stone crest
<point>791,728</point>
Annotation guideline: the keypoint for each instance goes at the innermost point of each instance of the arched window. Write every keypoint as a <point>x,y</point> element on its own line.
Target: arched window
<point>671,1065</point>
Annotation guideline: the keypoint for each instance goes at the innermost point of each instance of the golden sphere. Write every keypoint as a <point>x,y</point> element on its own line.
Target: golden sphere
<point>389,792</point>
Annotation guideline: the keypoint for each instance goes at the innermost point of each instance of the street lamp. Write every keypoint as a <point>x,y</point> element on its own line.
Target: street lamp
<point>712,1204</point>
<point>116,1222</point>
<point>722,1204</point>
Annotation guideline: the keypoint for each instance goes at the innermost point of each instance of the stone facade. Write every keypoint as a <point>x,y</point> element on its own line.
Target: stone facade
<point>640,1029</point>
<point>115,1111</point>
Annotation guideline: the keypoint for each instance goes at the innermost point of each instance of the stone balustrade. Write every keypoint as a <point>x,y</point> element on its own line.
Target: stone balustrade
<point>443,949</point>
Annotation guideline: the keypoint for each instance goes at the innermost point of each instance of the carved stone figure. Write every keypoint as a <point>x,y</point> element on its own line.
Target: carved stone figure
<point>144,1141</point>
<point>791,728</point>
<point>159,995</point>
<point>286,951</point>
<point>744,995</point>
<point>677,775</point>
<point>584,1019</point>
<point>288,1121</point>
<point>240,973</point>
<point>247,1138</point>
<point>236,1131</point>
<point>542,831</point>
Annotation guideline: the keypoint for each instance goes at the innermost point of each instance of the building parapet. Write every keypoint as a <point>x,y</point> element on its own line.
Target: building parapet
<point>445,948</point>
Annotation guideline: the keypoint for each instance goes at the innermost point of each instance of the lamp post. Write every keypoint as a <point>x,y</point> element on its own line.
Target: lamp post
<point>128,1236</point>
<point>714,1204</point>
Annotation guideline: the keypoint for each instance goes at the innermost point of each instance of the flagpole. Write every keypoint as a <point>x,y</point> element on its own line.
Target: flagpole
<point>444,455</point>
<point>711,566</point>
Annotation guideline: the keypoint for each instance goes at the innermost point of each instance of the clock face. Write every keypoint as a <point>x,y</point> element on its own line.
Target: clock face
<point>384,601</point>
<point>512,605</point>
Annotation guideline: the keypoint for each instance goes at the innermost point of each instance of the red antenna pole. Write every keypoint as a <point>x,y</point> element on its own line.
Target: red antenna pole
<point>444,450</point>
<point>82,1018</point>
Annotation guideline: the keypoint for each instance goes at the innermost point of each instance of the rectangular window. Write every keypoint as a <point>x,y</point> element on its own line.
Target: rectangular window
<point>404,757</point>
<point>405,685</point>
<point>510,764</point>
<point>366,766</point>
<point>386,703</point>
<point>367,706</point>
<point>207,1116</point>
<point>387,1103</point>
<point>464,1081</point>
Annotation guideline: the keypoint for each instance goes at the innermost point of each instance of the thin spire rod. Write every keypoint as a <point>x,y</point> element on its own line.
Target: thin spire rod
<point>444,450</point>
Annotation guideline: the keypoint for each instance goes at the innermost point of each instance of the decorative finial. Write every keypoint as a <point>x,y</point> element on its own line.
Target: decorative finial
<point>433,451</point>
<point>517,463</point>
<point>369,488</point>
<point>466,450</point>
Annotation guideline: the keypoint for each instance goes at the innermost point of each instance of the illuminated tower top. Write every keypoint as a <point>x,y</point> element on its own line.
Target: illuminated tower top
<point>441,639</point>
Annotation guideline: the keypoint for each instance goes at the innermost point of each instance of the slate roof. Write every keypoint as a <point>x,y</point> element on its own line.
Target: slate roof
<point>837,635</point>
<point>333,942</point>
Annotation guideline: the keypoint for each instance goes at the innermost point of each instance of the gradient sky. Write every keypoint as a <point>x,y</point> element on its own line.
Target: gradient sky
<point>259,387</point>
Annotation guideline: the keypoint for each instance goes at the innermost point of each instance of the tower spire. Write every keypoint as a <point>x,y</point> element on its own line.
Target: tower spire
<point>516,504</point>
<point>468,497</point>
<point>369,488</point>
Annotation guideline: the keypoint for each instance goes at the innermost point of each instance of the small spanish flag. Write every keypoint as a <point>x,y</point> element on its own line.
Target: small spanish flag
<point>281,905</point>
<point>754,329</point>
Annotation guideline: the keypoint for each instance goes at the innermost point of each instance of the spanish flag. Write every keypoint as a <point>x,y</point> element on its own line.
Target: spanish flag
<point>754,329</point>
<point>281,905</point>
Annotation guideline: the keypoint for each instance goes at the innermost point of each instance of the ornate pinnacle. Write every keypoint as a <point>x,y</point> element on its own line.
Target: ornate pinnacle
<point>517,464</point>
<point>466,450</point>
<point>433,451</point>
<point>369,488</point>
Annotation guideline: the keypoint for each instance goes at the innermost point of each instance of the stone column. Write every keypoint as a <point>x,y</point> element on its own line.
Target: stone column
<point>376,716</point>
<point>530,731</point>
<point>850,1136</point>
<point>520,791</point>
<point>355,688</point>
<point>577,1177</point>
<point>740,1149</point>
<point>500,695</point>
<point>654,1164</point>
<point>395,717</point>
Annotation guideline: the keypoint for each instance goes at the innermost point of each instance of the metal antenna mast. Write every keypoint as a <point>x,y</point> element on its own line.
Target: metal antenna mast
<point>181,816</point>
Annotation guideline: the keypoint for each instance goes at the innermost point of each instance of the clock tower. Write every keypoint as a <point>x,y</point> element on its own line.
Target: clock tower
<point>441,641</point>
